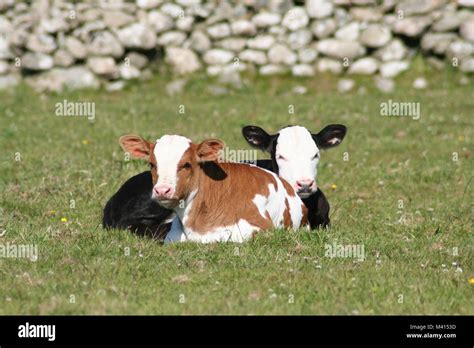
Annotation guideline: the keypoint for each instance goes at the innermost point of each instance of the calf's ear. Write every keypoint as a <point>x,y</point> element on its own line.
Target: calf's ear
<point>136,146</point>
<point>209,149</point>
<point>257,137</point>
<point>330,136</point>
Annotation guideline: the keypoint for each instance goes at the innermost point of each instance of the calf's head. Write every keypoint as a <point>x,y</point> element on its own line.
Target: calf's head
<point>174,162</point>
<point>295,152</point>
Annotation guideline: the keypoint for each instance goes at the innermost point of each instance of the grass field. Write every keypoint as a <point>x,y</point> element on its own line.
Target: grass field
<point>401,188</point>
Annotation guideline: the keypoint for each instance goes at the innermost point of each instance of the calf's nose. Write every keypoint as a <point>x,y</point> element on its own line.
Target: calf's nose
<point>164,191</point>
<point>304,184</point>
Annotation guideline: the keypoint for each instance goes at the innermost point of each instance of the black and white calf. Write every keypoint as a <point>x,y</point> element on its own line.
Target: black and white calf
<point>294,156</point>
<point>132,207</point>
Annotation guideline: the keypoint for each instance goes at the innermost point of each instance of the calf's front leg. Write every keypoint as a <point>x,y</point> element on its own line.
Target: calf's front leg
<point>318,210</point>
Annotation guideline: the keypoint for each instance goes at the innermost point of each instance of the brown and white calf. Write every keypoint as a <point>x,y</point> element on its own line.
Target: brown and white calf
<point>215,201</point>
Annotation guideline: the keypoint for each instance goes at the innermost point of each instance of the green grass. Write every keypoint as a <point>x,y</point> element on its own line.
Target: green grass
<point>390,159</point>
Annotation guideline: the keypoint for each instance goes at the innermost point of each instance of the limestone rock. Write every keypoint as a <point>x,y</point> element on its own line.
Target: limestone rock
<point>117,19</point>
<point>266,19</point>
<point>394,50</point>
<point>307,55</point>
<point>42,43</point>
<point>183,60</point>
<point>75,47</point>
<point>467,64</point>
<point>148,4</point>
<point>299,39</point>
<point>235,44</point>
<point>37,61</point>
<point>200,42</point>
<point>53,25</point>
<point>340,49</point>
<point>253,56</point>
<point>58,79</point>
<point>114,86</point>
<point>105,44</point>
<point>5,51</point>
<point>128,72</point>
<point>243,28</point>
<point>412,26</point>
<point>345,85</point>
<point>104,66</point>
<point>450,20</point>
<point>466,3</point>
<point>137,35</point>
<point>348,32</point>
<point>295,19</point>
<point>364,66</point>
<point>459,49</point>
<point>138,60</point>
<point>329,65</point>
<point>324,28</point>
<point>217,56</point>
<point>366,14</point>
<point>437,42</point>
<point>467,30</point>
<point>185,23</point>
<point>385,85</point>
<point>219,31</point>
<point>392,69</point>
<point>63,59</point>
<point>159,21</point>
<point>261,42</point>
<point>4,67</point>
<point>420,83</point>
<point>281,54</point>
<point>172,10</point>
<point>319,8</point>
<point>375,36</point>
<point>417,7</point>
<point>171,38</point>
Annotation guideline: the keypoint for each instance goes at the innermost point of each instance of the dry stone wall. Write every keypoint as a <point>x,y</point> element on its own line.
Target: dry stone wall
<point>57,44</point>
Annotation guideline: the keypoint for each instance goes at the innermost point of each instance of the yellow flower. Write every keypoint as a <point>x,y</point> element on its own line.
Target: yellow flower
<point>63,219</point>
<point>334,186</point>
<point>85,142</point>
<point>471,280</point>
<point>461,138</point>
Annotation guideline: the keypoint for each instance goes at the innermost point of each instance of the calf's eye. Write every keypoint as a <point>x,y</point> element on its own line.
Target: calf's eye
<point>316,156</point>
<point>280,157</point>
<point>187,165</point>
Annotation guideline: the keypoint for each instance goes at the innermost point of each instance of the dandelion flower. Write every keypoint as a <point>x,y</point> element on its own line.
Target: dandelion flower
<point>471,280</point>
<point>63,219</point>
<point>334,186</point>
<point>85,142</point>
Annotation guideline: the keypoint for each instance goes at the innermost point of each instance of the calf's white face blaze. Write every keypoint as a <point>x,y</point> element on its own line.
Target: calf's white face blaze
<point>297,157</point>
<point>177,161</point>
<point>170,163</point>
<point>168,151</point>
